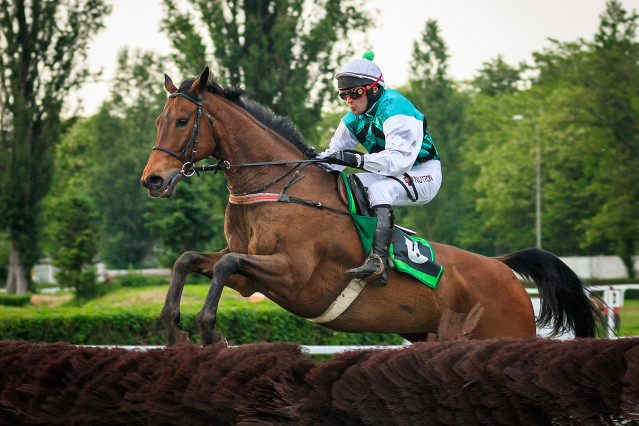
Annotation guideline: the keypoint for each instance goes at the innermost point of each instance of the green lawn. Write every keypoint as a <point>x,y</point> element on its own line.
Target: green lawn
<point>141,298</point>
<point>629,316</point>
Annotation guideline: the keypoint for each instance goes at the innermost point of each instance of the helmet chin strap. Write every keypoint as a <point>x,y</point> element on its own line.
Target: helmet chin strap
<point>372,98</point>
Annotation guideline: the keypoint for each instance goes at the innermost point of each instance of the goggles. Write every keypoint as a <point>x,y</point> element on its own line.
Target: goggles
<point>357,92</point>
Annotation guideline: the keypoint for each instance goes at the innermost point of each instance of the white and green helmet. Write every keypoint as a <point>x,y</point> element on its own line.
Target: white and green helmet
<point>359,72</point>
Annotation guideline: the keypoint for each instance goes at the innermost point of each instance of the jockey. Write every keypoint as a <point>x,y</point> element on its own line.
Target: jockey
<point>402,159</point>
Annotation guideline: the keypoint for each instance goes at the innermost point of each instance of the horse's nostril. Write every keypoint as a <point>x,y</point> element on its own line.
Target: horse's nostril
<point>154,182</point>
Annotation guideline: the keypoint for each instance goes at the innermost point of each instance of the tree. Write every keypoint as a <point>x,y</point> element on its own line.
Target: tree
<point>42,44</point>
<point>598,83</point>
<point>283,51</point>
<point>498,77</point>
<point>435,95</point>
<point>73,245</point>
<point>103,156</point>
<point>584,97</point>
<point>612,77</point>
<point>192,220</point>
<point>499,170</point>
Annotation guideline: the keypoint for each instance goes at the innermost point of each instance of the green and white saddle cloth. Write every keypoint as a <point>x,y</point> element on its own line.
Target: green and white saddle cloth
<point>415,256</point>
<point>408,253</point>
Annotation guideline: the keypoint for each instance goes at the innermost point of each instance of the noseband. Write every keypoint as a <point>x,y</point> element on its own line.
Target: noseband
<point>188,168</point>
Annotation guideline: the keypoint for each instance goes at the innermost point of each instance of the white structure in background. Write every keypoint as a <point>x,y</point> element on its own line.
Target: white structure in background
<point>603,267</point>
<point>45,272</point>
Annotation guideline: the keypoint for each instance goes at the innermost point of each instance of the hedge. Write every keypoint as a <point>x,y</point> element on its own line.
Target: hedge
<point>13,300</point>
<point>126,326</point>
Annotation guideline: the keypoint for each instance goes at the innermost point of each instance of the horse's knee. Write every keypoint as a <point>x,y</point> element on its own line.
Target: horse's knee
<point>184,264</point>
<point>227,266</point>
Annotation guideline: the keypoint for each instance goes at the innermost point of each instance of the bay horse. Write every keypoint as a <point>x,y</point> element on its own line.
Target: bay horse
<point>296,253</point>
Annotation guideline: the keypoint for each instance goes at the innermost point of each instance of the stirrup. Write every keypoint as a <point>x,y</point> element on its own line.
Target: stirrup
<point>380,281</point>
<point>376,277</point>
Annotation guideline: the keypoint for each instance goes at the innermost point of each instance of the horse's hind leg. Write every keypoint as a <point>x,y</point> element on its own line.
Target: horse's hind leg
<point>187,263</point>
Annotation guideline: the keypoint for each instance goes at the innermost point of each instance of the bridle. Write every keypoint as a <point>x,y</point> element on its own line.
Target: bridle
<point>188,166</point>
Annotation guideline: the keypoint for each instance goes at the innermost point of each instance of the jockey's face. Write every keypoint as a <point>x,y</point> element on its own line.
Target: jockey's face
<point>358,106</point>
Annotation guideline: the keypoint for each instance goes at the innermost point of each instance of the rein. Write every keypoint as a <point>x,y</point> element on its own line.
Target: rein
<point>189,168</point>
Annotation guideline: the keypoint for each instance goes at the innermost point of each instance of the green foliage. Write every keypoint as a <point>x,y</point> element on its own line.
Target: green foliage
<point>43,46</point>
<point>193,219</point>
<point>14,300</point>
<point>142,326</point>
<point>595,90</point>
<point>139,280</point>
<point>434,94</point>
<point>104,156</point>
<point>72,232</point>
<point>584,97</point>
<point>497,77</point>
<point>284,51</point>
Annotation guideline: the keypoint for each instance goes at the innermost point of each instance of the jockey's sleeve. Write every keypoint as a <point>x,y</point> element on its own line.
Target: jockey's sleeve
<point>403,137</point>
<point>341,140</point>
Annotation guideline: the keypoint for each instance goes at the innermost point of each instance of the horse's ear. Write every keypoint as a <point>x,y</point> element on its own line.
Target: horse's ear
<point>200,83</point>
<point>168,84</point>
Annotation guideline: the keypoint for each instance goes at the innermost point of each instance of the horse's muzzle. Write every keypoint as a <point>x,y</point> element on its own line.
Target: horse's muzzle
<point>160,187</point>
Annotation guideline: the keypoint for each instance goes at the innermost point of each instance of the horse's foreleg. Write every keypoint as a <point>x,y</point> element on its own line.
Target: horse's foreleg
<point>187,263</point>
<point>258,268</point>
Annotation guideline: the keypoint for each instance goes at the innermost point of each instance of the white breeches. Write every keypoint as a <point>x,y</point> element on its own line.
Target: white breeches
<point>384,190</point>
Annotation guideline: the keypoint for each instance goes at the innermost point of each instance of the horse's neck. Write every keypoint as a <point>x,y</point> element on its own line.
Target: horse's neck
<point>244,140</point>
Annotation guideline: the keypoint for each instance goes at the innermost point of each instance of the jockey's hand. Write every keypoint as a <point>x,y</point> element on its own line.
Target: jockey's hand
<point>311,153</point>
<point>344,158</point>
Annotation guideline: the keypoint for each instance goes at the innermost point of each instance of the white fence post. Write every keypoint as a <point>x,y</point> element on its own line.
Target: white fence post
<point>612,299</point>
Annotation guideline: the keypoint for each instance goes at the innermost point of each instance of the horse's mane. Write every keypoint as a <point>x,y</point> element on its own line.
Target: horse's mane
<point>279,124</point>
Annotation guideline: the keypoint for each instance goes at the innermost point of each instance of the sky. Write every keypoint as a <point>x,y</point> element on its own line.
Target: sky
<point>475,31</point>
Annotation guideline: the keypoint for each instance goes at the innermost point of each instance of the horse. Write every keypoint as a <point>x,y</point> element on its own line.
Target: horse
<point>294,243</point>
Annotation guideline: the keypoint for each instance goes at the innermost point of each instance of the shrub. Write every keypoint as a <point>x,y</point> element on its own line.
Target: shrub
<point>142,326</point>
<point>72,233</point>
<point>13,300</point>
<point>139,280</point>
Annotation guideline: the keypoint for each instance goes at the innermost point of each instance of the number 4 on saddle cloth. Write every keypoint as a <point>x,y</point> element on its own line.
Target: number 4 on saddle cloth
<point>408,253</point>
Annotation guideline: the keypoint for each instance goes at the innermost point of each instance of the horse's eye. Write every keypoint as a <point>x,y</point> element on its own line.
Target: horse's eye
<point>181,122</point>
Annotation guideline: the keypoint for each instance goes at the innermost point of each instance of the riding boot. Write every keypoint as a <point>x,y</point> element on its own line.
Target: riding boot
<point>373,270</point>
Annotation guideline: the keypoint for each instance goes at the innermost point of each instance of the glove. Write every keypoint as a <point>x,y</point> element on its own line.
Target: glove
<point>344,158</point>
<point>311,153</point>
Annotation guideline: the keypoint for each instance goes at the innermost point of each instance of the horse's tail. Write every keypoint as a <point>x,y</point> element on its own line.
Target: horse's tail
<point>563,296</point>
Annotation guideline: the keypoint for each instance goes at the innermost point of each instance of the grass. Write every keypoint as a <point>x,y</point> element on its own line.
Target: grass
<point>151,298</point>
<point>629,316</point>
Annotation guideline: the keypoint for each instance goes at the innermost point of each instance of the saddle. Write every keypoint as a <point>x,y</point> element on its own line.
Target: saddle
<point>360,195</point>
<point>362,203</point>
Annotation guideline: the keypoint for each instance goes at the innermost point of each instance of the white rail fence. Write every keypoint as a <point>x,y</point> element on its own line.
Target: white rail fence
<point>613,297</point>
